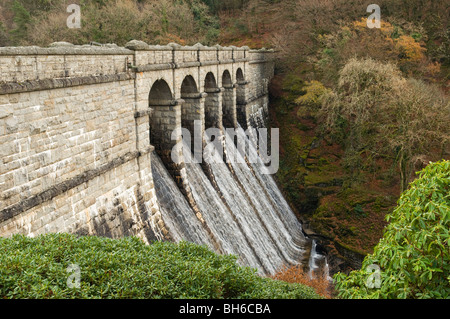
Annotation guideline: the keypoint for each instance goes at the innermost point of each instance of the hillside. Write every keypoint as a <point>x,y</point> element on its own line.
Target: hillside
<point>359,110</point>
<point>344,181</point>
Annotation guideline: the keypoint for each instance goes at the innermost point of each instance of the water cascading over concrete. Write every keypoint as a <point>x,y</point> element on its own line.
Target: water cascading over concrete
<point>89,135</point>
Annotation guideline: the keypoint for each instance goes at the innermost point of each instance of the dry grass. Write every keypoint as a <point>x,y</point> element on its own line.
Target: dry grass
<point>156,22</point>
<point>388,116</point>
<point>295,274</point>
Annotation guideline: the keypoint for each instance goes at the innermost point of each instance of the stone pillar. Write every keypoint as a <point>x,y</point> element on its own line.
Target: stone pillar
<point>193,109</point>
<point>241,104</point>
<point>213,108</point>
<point>167,118</point>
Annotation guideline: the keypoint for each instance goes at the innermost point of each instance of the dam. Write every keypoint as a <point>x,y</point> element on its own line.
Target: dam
<point>87,145</point>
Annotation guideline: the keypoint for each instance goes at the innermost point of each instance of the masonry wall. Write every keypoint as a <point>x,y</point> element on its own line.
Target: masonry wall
<point>20,64</point>
<point>69,155</point>
<point>69,135</point>
<point>260,71</point>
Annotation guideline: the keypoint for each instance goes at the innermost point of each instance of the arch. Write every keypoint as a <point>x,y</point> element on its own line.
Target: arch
<point>240,76</point>
<point>188,86</point>
<point>226,79</point>
<point>213,106</point>
<point>210,81</point>
<point>160,92</point>
<point>192,112</point>
<point>161,101</point>
<point>240,98</point>
<point>228,101</point>
<point>165,120</point>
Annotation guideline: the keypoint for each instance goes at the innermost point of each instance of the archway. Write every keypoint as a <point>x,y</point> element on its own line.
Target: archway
<point>213,106</point>
<point>240,76</point>
<point>164,107</point>
<point>228,101</point>
<point>193,112</point>
<point>240,98</point>
<point>160,91</point>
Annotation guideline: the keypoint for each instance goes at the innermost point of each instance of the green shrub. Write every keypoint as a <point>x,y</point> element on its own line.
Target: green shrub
<point>127,268</point>
<point>413,255</point>
<point>22,19</point>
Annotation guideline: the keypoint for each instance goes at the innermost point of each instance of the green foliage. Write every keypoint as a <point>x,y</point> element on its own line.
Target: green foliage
<point>4,38</point>
<point>314,92</point>
<point>293,85</point>
<point>36,6</point>
<point>127,268</point>
<point>221,5</point>
<point>413,255</point>
<point>22,19</point>
<point>205,19</point>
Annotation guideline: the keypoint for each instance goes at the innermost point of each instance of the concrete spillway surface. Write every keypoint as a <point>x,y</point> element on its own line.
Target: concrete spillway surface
<point>175,210</point>
<point>219,216</point>
<point>245,212</point>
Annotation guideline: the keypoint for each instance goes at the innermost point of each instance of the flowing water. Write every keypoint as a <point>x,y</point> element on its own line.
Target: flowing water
<point>176,212</point>
<point>244,210</point>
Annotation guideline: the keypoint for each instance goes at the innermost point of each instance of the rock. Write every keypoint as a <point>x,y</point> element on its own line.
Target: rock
<point>12,124</point>
<point>61,44</point>
<point>315,143</point>
<point>137,45</point>
<point>5,110</point>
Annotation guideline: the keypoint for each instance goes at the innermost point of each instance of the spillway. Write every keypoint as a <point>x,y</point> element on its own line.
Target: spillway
<point>243,212</point>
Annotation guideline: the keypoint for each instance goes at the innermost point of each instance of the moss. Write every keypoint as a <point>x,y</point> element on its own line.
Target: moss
<point>303,127</point>
<point>349,218</point>
<point>357,196</point>
<point>352,249</point>
<point>314,90</point>
<point>320,178</point>
<point>311,174</point>
<point>323,161</point>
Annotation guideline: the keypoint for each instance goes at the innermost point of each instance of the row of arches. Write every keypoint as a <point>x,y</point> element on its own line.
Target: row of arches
<point>216,107</point>
<point>161,91</point>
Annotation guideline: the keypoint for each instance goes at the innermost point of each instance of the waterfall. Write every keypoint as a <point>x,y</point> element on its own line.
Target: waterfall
<point>243,208</point>
<point>318,265</point>
<point>176,212</point>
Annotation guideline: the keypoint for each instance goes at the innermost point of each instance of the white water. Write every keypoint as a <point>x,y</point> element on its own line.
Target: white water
<point>246,214</point>
<point>318,265</point>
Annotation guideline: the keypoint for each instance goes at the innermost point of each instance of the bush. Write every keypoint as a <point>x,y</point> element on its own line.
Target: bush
<point>413,255</point>
<point>314,91</point>
<point>127,268</point>
<point>119,21</point>
<point>380,114</point>
<point>22,19</point>
<point>398,42</point>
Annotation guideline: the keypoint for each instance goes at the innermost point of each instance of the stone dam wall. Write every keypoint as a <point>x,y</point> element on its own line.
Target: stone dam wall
<point>78,125</point>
